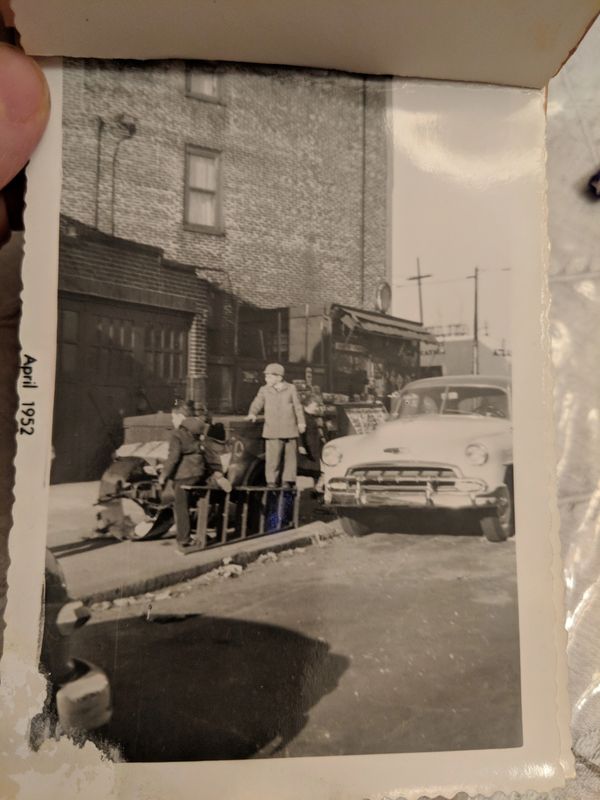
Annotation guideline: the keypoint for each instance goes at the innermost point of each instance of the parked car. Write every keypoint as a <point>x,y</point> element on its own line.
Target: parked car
<point>80,696</point>
<point>131,504</point>
<point>449,447</point>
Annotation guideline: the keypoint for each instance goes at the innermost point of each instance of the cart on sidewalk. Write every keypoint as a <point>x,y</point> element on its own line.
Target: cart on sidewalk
<point>131,504</point>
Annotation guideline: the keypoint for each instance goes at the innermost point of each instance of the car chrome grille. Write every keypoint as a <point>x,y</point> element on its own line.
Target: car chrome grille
<point>403,474</point>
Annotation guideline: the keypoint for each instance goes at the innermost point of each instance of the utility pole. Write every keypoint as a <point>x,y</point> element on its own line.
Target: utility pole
<point>475,278</point>
<point>419,279</point>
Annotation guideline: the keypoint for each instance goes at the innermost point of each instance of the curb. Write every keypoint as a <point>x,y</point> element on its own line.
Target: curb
<point>312,534</point>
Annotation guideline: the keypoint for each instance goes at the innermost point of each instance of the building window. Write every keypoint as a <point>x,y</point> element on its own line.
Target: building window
<point>69,341</point>
<point>203,190</point>
<point>203,83</point>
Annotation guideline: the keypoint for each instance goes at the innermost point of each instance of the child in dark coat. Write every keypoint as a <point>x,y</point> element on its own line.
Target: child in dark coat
<point>313,439</point>
<point>188,464</point>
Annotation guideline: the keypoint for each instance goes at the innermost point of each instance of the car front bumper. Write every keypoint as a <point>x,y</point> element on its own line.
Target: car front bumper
<point>462,494</point>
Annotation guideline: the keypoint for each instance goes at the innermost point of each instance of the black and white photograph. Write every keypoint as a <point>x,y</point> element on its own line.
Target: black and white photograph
<point>301,479</point>
<point>281,514</point>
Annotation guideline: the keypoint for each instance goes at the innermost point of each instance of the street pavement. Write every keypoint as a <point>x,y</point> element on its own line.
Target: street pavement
<point>393,642</point>
<point>102,567</point>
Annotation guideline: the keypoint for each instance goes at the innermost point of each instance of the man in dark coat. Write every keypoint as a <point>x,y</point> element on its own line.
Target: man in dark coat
<point>188,464</point>
<point>284,423</point>
<point>313,439</point>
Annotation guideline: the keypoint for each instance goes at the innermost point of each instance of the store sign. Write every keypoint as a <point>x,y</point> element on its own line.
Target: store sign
<point>448,331</point>
<point>365,420</point>
<point>428,349</point>
<point>349,347</point>
<point>383,297</point>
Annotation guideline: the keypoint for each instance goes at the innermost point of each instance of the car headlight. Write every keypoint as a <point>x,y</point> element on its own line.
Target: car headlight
<point>476,454</point>
<point>331,455</point>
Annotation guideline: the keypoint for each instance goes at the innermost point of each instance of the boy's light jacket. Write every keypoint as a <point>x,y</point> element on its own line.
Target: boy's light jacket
<point>282,409</point>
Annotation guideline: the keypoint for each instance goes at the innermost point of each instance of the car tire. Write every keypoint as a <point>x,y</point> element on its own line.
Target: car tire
<point>354,525</point>
<point>499,525</point>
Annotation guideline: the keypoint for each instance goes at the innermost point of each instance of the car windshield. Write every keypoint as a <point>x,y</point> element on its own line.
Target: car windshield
<point>487,401</point>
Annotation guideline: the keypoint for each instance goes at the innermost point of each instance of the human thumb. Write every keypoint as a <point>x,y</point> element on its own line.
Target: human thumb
<point>24,109</point>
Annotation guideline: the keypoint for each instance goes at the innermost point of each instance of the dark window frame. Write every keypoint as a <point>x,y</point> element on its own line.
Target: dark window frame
<point>206,152</point>
<point>205,98</point>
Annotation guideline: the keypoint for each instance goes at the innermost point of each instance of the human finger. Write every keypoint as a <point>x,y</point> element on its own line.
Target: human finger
<point>24,109</point>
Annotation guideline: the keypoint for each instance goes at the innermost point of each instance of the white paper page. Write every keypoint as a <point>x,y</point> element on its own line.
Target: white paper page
<point>447,188</point>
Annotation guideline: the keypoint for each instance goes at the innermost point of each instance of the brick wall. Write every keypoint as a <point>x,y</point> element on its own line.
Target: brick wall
<point>303,162</point>
<point>111,268</point>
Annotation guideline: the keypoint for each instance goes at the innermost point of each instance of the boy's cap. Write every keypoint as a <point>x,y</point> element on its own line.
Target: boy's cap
<point>184,407</point>
<point>217,432</point>
<point>274,369</point>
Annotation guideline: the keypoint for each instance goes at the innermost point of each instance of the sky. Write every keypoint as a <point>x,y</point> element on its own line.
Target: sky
<point>460,155</point>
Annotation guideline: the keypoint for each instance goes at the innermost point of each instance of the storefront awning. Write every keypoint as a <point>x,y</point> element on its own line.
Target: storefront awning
<point>384,325</point>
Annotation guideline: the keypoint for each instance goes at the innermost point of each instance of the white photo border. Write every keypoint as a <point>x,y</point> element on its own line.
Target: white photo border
<point>64,769</point>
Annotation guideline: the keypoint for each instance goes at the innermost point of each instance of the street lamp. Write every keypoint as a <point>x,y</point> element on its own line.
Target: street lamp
<point>128,128</point>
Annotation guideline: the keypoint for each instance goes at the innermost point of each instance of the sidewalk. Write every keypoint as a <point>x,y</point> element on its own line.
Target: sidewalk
<point>103,568</point>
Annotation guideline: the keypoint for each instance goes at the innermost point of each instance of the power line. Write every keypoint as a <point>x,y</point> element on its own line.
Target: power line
<point>475,279</point>
<point>432,283</point>
<point>451,280</point>
<point>419,278</point>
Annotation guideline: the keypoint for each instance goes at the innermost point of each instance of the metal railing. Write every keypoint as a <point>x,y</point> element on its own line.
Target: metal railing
<point>246,512</point>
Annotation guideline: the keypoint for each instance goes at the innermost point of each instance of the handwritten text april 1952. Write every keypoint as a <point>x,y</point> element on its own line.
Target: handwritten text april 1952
<point>26,417</point>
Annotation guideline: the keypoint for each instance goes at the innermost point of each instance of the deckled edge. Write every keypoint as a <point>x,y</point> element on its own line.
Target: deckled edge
<point>24,773</point>
<point>80,768</point>
<point>561,671</point>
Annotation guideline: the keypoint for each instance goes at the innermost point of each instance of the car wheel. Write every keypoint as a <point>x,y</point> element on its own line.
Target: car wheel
<point>354,525</point>
<point>499,525</point>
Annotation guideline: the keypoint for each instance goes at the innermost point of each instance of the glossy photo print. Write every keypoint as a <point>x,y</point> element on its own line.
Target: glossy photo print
<point>295,455</point>
<point>283,471</point>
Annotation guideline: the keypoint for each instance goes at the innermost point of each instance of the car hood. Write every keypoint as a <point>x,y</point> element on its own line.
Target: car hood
<point>424,437</point>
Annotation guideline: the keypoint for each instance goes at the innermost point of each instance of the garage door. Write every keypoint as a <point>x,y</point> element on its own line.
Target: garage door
<point>114,360</point>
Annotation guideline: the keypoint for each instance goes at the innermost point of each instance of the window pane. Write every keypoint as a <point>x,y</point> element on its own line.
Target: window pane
<point>202,209</point>
<point>202,172</point>
<point>92,359</point>
<point>70,326</point>
<point>68,357</point>
<point>103,364</point>
<point>202,84</point>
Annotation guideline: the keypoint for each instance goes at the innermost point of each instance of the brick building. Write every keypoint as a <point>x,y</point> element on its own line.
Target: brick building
<point>296,162</point>
<point>193,192</point>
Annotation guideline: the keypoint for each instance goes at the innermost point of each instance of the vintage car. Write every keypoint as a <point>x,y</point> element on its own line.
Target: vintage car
<point>448,447</point>
<point>79,691</point>
<point>131,504</point>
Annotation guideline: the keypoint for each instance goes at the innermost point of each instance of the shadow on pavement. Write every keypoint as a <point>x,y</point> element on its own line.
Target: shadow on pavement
<point>208,687</point>
<point>434,522</point>
<point>83,546</point>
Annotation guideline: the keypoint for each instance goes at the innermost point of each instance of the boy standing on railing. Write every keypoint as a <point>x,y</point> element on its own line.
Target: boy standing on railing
<point>284,423</point>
